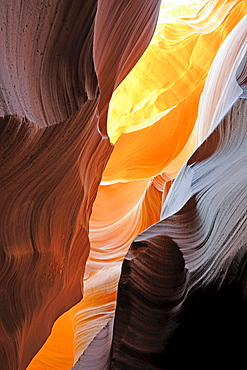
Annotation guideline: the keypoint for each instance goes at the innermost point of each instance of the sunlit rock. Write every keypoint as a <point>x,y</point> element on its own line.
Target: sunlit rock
<point>183,283</point>
<point>55,88</point>
<point>72,203</point>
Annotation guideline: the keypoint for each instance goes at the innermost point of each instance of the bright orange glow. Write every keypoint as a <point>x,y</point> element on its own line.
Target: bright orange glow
<point>151,122</point>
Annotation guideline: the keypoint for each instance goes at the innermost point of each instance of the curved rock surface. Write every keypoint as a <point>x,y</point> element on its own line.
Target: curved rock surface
<point>156,117</point>
<point>56,82</point>
<point>98,354</point>
<point>182,289</point>
<point>168,79</point>
<point>73,331</point>
<point>183,284</point>
<point>185,276</point>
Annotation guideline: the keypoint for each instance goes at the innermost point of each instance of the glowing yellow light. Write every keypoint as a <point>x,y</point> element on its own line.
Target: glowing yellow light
<point>139,89</point>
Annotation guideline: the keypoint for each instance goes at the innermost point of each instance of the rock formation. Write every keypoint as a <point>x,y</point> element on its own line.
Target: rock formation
<point>72,202</point>
<point>60,62</point>
<point>183,285</point>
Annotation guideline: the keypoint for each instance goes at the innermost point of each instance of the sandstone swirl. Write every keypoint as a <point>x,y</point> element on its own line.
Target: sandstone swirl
<point>72,203</point>
<point>60,62</point>
<point>182,292</point>
<point>156,120</point>
<point>183,285</point>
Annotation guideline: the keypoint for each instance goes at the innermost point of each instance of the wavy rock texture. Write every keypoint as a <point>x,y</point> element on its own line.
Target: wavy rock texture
<point>60,62</point>
<point>155,119</point>
<point>117,220</point>
<point>183,282</point>
<point>182,289</point>
<point>98,354</point>
<point>113,226</point>
<point>76,329</point>
<point>168,79</point>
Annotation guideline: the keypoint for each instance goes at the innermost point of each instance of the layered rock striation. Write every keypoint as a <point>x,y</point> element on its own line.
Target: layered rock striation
<point>72,203</point>
<point>182,289</point>
<point>183,284</point>
<point>60,62</point>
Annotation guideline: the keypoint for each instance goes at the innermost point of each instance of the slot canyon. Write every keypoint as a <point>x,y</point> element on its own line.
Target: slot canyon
<point>123,173</point>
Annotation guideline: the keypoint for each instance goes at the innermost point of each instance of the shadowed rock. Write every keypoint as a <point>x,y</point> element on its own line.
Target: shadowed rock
<point>183,285</point>
<point>56,82</point>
